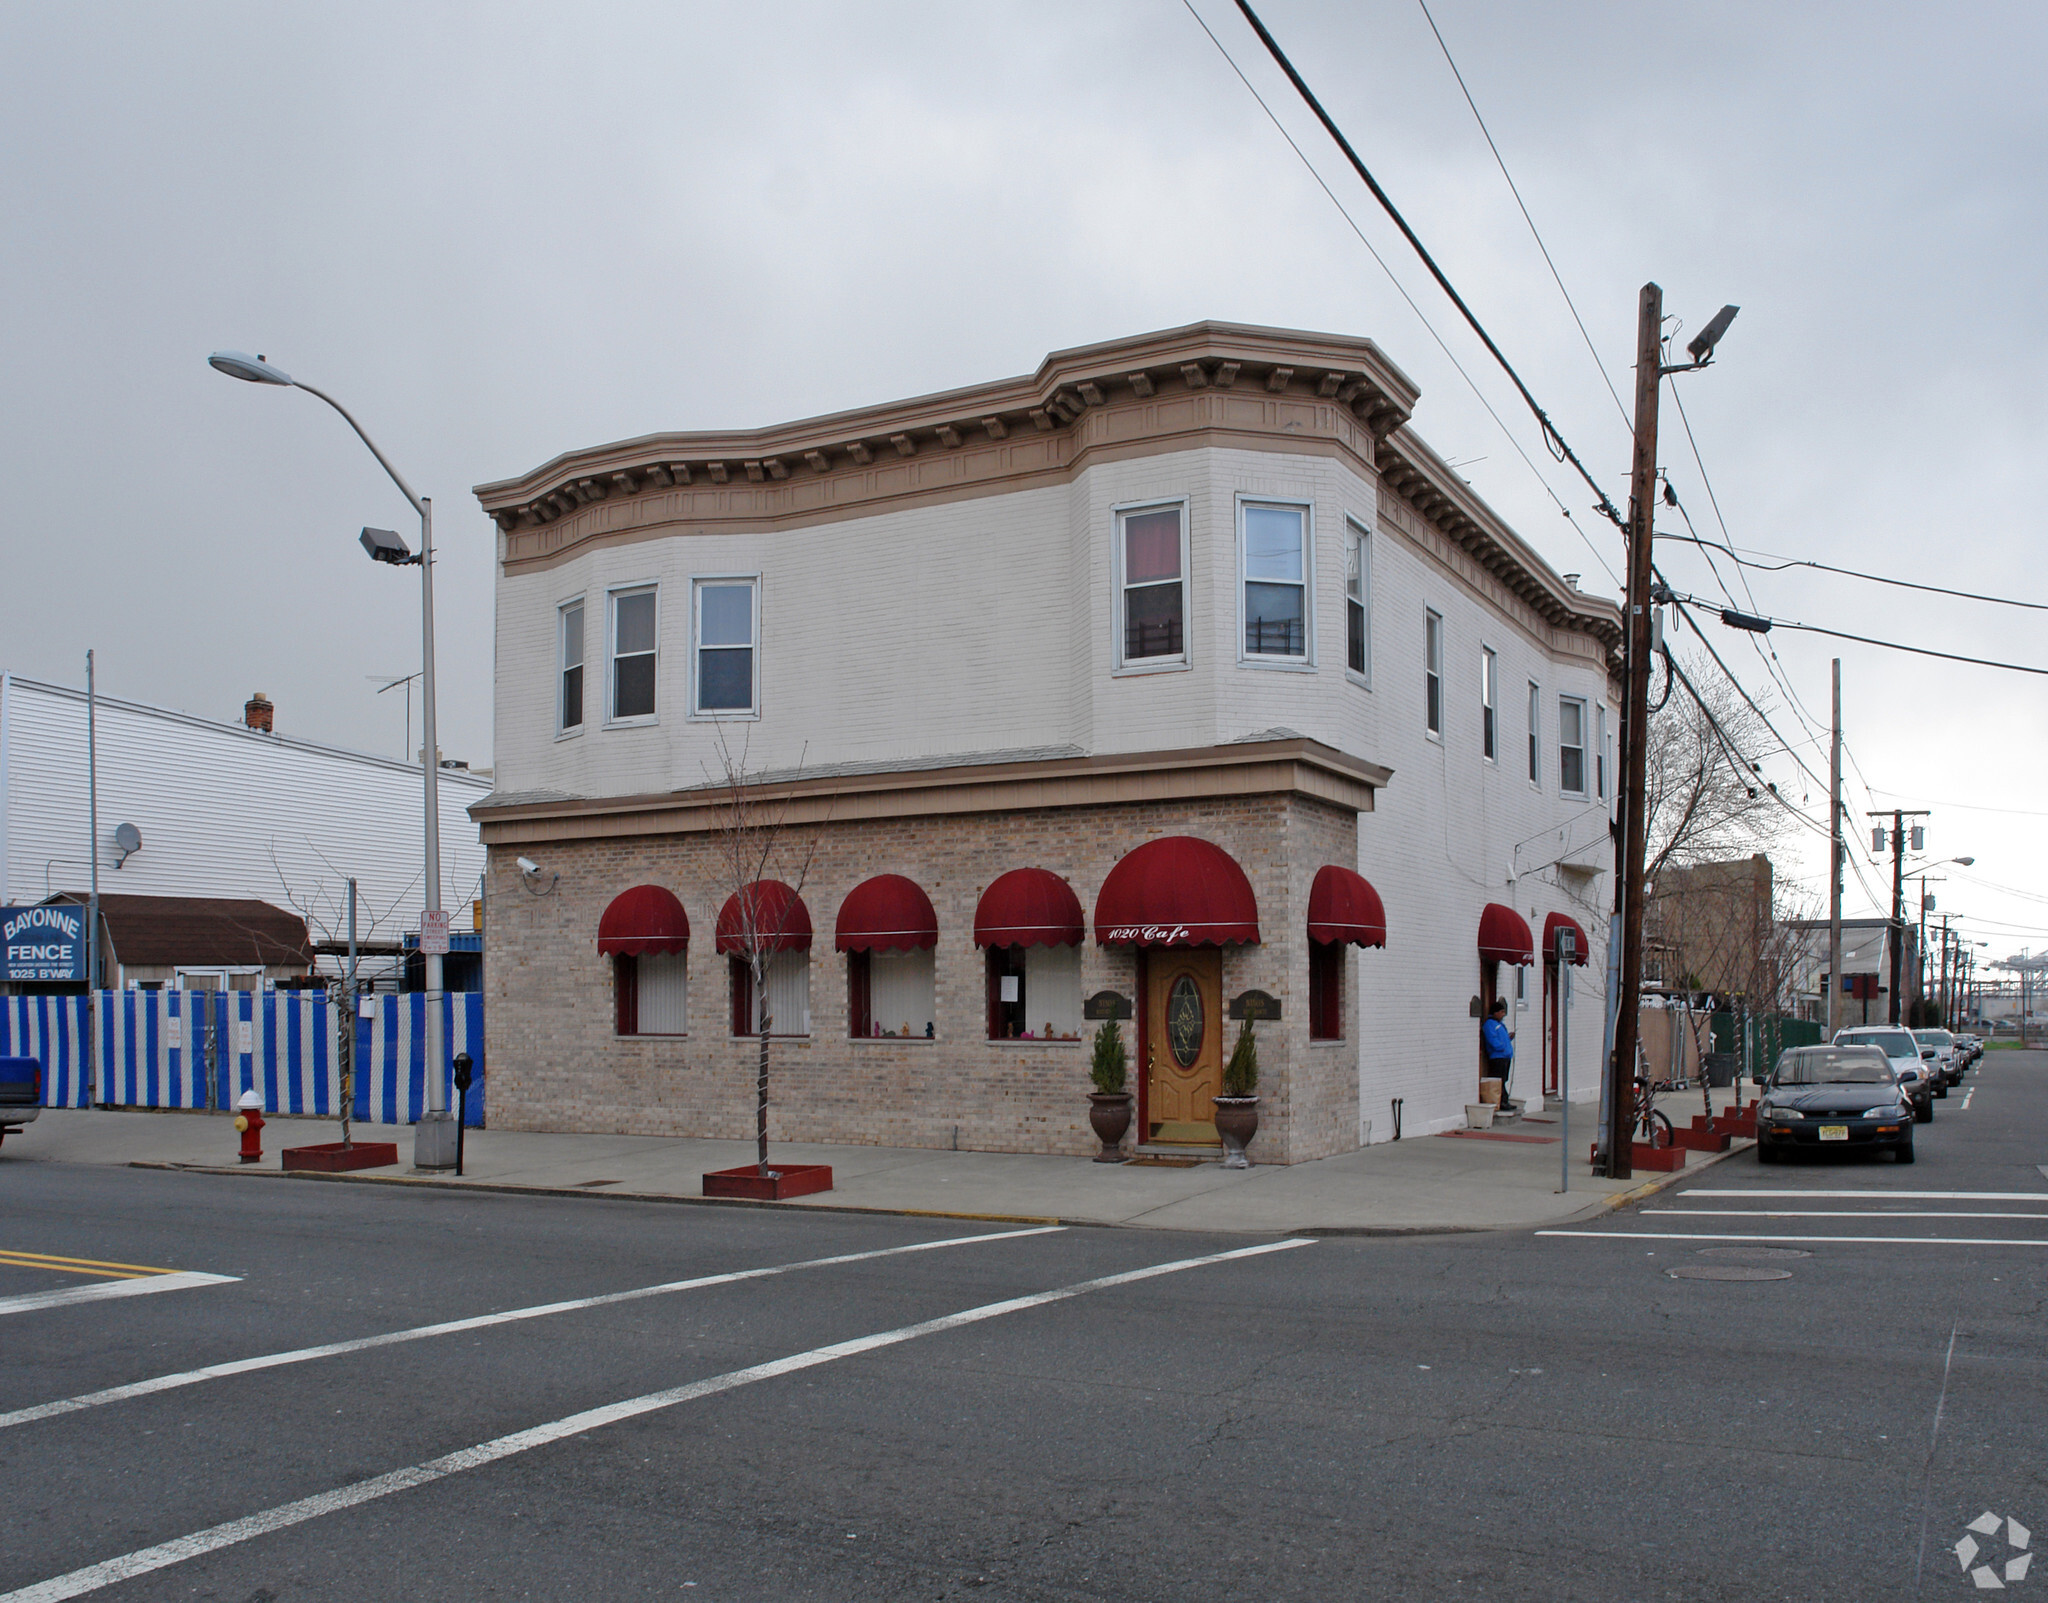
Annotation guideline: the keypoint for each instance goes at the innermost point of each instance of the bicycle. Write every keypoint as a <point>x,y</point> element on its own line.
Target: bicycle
<point>1648,1126</point>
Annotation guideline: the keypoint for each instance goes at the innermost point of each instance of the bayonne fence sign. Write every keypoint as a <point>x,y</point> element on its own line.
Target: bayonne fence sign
<point>42,943</point>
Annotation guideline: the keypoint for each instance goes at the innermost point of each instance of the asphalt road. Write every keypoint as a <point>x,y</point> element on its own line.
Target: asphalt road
<point>1503,1416</point>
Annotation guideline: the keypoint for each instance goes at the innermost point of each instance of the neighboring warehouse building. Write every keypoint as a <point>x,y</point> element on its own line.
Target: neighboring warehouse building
<point>1176,676</point>
<point>224,849</point>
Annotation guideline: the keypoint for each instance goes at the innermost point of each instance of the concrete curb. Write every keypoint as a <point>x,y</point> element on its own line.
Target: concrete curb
<point>500,1188</point>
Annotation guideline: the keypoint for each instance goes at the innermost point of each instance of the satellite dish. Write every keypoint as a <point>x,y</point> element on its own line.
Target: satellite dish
<point>127,841</point>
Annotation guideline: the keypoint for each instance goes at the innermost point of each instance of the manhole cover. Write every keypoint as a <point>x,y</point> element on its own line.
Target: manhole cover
<point>1753,1254</point>
<point>1726,1271</point>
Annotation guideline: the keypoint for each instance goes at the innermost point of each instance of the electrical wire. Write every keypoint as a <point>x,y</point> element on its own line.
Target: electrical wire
<point>1890,645</point>
<point>1535,233</point>
<point>1402,291</point>
<point>1555,440</point>
<point>1783,563</point>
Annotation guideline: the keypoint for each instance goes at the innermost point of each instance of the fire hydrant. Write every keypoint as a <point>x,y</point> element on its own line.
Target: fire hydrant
<point>250,1122</point>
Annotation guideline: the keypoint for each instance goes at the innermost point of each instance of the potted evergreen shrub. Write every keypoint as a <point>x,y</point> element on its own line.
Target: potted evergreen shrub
<point>1109,1104</point>
<point>1237,1110</point>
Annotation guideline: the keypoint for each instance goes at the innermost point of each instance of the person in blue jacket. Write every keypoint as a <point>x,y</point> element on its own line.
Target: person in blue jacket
<point>1498,1048</point>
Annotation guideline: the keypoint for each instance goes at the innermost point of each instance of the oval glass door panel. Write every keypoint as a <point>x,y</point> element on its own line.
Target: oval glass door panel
<point>1184,1021</point>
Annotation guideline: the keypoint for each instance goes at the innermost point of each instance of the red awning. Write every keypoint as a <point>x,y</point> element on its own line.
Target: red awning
<point>1556,922</point>
<point>1176,891</point>
<point>886,914</point>
<point>780,922</point>
<point>646,918</point>
<point>1029,907</point>
<point>1504,936</point>
<point>1343,906</point>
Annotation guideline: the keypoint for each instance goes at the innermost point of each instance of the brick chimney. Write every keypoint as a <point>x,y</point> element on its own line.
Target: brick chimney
<point>256,712</point>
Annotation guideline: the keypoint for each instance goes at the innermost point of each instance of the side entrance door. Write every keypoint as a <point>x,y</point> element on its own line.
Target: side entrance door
<point>1184,1042</point>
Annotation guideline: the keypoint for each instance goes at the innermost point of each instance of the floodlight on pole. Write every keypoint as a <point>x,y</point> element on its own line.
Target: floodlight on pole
<point>1701,347</point>
<point>434,1142</point>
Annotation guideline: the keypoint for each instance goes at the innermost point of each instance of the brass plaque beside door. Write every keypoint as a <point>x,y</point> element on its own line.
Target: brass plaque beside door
<point>1184,1039</point>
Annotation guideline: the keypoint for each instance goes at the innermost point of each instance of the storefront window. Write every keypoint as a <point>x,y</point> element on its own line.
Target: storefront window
<point>1034,993</point>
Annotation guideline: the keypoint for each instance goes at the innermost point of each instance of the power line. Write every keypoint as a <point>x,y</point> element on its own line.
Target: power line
<point>1556,441</point>
<point>1402,290</point>
<point>1887,645</point>
<point>1515,190</point>
<point>1783,563</point>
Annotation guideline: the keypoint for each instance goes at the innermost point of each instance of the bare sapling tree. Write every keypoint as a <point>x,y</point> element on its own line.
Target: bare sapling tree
<point>325,908</point>
<point>1700,804</point>
<point>767,871</point>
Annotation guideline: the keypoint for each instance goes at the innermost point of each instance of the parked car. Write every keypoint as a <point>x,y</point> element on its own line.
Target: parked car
<point>1973,1048</point>
<point>1939,1048</point>
<point>1897,1044</point>
<point>1823,1096</point>
<point>21,1093</point>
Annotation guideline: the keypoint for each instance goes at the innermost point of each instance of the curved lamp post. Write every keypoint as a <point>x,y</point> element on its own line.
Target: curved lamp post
<point>434,1141</point>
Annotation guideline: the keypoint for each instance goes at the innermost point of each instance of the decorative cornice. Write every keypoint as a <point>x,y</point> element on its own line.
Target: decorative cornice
<point>1226,357</point>
<point>1295,765</point>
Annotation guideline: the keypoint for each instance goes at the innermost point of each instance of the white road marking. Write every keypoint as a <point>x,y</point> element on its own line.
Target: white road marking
<point>1760,1235</point>
<point>1819,1213</point>
<point>1873,1194</point>
<point>141,1286</point>
<point>1966,1098</point>
<point>145,1560</point>
<point>334,1349</point>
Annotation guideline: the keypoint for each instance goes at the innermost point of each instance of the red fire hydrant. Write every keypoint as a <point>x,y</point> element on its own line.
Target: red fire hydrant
<point>250,1122</point>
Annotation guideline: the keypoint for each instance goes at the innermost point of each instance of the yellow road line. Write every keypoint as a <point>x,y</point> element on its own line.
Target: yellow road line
<point>53,1261</point>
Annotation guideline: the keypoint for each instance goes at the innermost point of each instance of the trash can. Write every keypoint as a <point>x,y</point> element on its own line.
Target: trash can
<point>1720,1068</point>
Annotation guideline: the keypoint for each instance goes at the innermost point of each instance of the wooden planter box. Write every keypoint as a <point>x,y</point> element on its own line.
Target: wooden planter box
<point>784,1180</point>
<point>331,1157</point>
<point>1662,1160</point>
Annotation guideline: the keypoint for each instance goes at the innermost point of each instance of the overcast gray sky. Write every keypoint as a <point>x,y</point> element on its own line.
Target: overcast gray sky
<point>498,232</point>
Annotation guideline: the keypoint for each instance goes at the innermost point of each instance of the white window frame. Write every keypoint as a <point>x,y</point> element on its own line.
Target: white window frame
<point>1305,659</point>
<point>562,610</point>
<point>1358,546</point>
<point>1600,764</point>
<point>1184,659</point>
<point>1433,670</point>
<point>1489,705</point>
<point>1584,776</point>
<point>611,653</point>
<point>721,715</point>
<point>1535,735</point>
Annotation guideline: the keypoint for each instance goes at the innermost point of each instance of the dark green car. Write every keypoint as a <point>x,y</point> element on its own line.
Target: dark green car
<point>1823,1097</point>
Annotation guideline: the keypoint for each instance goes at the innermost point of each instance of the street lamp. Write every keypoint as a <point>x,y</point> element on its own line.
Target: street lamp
<point>434,1141</point>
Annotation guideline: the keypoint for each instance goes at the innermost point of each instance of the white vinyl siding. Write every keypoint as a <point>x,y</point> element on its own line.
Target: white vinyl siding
<point>663,992</point>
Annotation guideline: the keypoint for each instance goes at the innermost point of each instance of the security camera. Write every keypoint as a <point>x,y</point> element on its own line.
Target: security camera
<point>528,866</point>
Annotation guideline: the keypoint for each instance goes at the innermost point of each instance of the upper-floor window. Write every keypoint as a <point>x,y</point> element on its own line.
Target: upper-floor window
<point>1600,751</point>
<point>633,631</point>
<point>1535,731</point>
<point>569,628</point>
<point>1433,672</point>
<point>1275,555</point>
<point>1358,603</point>
<point>1152,579</point>
<point>1571,745</point>
<point>726,622</point>
<point>1489,704</point>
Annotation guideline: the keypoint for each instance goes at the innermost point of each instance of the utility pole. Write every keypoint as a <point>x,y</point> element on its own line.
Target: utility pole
<point>1898,932</point>
<point>1835,855</point>
<point>1620,1098</point>
<point>92,912</point>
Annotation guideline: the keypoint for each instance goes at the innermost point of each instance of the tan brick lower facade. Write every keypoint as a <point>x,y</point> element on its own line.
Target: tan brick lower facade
<point>555,1061</point>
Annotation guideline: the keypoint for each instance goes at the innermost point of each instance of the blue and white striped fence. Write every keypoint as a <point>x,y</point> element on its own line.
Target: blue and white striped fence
<point>153,1050</point>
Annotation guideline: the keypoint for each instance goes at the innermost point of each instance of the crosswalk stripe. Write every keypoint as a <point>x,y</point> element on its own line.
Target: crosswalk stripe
<point>141,1285</point>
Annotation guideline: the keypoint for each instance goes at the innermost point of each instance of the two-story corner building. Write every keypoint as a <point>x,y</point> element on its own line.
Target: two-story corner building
<point>1179,670</point>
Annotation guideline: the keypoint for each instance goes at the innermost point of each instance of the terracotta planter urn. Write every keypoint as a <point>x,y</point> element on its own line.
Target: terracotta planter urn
<point>1237,1121</point>
<point>1109,1116</point>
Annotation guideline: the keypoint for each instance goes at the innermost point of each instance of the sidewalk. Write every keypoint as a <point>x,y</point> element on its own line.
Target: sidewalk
<point>1422,1184</point>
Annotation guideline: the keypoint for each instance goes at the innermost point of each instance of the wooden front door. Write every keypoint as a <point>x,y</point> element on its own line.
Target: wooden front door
<point>1184,1042</point>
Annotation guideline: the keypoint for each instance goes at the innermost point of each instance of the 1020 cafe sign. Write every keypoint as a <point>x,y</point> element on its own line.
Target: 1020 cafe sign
<point>42,943</point>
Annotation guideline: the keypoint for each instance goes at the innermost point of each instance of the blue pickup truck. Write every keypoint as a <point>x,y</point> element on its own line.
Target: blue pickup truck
<point>21,1093</point>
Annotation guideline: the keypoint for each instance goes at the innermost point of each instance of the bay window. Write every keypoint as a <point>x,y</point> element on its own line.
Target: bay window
<point>633,631</point>
<point>1274,552</point>
<point>726,621</point>
<point>1358,603</point>
<point>1152,570</point>
<point>569,632</point>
